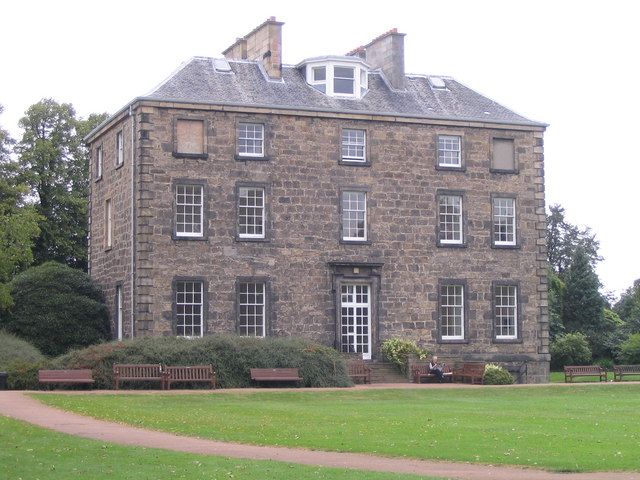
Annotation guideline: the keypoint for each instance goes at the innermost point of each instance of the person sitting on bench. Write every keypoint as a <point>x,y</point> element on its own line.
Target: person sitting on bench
<point>436,369</point>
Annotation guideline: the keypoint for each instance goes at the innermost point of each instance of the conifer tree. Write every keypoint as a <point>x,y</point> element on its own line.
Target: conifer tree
<point>583,309</point>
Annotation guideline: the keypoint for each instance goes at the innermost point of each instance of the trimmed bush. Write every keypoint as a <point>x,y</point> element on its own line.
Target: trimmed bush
<point>630,350</point>
<point>570,349</point>
<point>56,308</point>
<point>14,349</point>
<point>23,374</point>
<point>233,356</point>
<point>497,375</point>
<point>397,351</point>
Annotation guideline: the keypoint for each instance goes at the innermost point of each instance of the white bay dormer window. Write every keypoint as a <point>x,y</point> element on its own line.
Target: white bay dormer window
<point>341,77</point>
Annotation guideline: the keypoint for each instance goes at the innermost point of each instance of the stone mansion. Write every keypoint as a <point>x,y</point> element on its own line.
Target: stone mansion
<point>340,199</point>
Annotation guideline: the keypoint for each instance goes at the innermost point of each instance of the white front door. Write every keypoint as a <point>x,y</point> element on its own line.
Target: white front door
<point>355,319</point>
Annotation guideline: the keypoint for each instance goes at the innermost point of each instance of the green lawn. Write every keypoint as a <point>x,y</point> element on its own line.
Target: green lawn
<point>30,452</point>
<point>582,427</point>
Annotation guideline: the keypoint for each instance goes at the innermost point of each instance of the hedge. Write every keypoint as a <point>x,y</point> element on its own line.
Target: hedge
<point>14,349</point>
<point>233,356</point>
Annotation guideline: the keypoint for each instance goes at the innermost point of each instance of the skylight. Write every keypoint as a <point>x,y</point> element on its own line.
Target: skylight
<point>437,83</point>
<point>221,65</point>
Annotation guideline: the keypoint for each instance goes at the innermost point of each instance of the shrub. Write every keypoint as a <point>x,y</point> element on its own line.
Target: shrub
<point>397,351</point>
<point>23,374</point>
<point>233,356</point>
<point>570,349</point>
<point>605,363</point>
<point>497,375</point>
<point>630,350</point>
<point>13,349</point>
<point>56,308</point>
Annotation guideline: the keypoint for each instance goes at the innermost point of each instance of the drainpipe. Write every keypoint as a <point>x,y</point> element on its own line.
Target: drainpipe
<point>133,221</point>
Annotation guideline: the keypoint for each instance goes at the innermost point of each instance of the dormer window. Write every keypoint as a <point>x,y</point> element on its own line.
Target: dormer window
<point>344,77</point>
<point>343,80</point>
<point>319,80</point>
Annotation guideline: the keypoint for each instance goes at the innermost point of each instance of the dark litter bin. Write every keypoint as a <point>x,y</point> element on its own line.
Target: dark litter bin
<point>3,380</point>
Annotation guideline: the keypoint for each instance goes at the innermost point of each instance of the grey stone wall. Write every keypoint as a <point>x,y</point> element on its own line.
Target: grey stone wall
<point>110,267</point>
<point>305,176</point>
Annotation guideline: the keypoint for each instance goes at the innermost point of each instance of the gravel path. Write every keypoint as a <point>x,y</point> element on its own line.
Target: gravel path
<point>20,406</point>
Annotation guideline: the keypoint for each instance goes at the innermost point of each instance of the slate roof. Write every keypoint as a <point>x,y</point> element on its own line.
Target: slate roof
<point>247,85</point>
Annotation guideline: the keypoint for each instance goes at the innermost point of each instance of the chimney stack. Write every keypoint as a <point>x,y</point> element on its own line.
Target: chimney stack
<point>386,52</point>
<point>264,44</point>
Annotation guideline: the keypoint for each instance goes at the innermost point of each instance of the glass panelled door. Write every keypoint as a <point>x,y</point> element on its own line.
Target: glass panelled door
<point>355,318</point>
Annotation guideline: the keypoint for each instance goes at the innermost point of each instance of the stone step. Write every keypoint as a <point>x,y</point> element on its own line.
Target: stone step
<point>386,373</point>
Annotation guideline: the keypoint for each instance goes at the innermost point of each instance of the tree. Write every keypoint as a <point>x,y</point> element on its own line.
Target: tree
<point>56,308</point>
<point>54,165</point>
<point>564,238</point>
<point>18,222</point>
<point>557,291</point>
<point>583,304</point>
<point>628,307</point>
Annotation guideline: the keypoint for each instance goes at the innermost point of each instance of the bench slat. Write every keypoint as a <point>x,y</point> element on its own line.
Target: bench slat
<point>620,370</point>
<point>137,372</point>
<point>77,376</point>
<point>275,375</point>
<point>191,373</point>
<point>571,371</point>
<point>357,369</point>
<point>474,371</point>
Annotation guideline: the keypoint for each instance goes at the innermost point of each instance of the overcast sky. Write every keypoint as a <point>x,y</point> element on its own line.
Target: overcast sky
<point>572,64</point>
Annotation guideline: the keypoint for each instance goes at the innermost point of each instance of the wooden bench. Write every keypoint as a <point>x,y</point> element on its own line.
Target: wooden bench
<point>358,370</point>
<point>138,373</point>
<point>620,370</point>
<point>76,377</point>
<point>192,373</point>
<point>584,371</point>
<point>419,372</point>
<point>472,371</point>
<point>275,375</point>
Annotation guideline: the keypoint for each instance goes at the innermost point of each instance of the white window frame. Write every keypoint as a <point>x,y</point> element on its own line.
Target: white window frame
<point>108,224</point>
<point>447,305</point>
<point>355,318</point>
<point>193,206</point>
<point>350,143</point>
<point>441,231</point>
<point>444,142</point>
<point>509,221</point>
<point>316,83</point>
<point>347,211</point>
<point>99,158</point>
<point>253,139</point>
<point>259,319</point>
<point>119,148</point>
<point>352,79</point>
<point>262,209</point>
<point>500,306</point>
<point>195,306</point>
<point>360,77</point>
<point>119,312</point>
